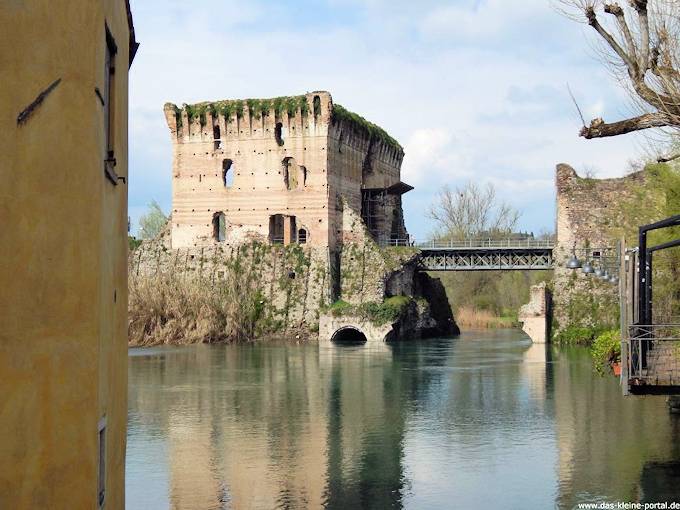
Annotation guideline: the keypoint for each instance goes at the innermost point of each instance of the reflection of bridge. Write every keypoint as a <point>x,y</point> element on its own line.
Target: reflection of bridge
<point>525,254</point>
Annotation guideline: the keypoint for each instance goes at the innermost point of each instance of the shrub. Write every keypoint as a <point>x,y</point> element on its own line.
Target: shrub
<point>577,335</point>
<point>339,308</point>
<point>606,349</point>
<point>389,310</point>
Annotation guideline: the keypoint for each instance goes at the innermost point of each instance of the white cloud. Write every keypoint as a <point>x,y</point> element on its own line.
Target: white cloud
<point>474,90</point>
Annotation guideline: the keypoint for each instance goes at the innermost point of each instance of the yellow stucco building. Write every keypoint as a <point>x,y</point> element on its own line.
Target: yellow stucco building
<point>63,252</point>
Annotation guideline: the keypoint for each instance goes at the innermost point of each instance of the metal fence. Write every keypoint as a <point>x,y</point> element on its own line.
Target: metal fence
<point>653,355</point>
<point>471,244</point>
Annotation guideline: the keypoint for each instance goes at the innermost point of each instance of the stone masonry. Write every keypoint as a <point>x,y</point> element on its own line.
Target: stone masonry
<point>302,193</point>
<point>589,218</point>
<point>280,170</point>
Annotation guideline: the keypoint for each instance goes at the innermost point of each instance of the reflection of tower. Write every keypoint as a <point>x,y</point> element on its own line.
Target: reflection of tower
<point>267,427</point>
<point>365,428</point>
<point>194,481</point>
<point>274,442</point>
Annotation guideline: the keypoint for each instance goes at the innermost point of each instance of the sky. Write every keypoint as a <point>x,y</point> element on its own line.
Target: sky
<point>475,90</point>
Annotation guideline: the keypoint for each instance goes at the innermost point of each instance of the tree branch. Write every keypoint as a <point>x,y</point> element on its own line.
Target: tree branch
<point>599,129</point>
<point>641,8</point>
<point>666,159</point>
<point>615,10</point>
<point>593,22</point>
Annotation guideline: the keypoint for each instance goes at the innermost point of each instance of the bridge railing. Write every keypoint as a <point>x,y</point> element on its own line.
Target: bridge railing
<point>479,243</point>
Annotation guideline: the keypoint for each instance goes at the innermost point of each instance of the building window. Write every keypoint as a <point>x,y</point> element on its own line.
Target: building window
<point>304,175</point>
<point>278,133</point>
<point>227,173</point>
<point>109,107</point>
<point>276,222</point>
<point>317,106</point>
<point>219,223</point>
<point>217,137</point>
<point>290,173</point>
<point>302,236</point>
<point>101,476</point>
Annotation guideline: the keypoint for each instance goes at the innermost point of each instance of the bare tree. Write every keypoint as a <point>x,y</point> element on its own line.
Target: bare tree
<point>641,44</point>
<point>472,211</point>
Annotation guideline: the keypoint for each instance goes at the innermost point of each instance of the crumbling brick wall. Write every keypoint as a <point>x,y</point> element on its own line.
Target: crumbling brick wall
<point>589,217</point>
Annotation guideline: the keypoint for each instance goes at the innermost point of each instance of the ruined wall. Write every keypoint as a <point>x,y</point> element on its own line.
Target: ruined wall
<point>250,160</point>
<point>590,215</point>
<point>361,158</point>
<point>294,281</point>
<point>259,163</point>
<point>297,163</point>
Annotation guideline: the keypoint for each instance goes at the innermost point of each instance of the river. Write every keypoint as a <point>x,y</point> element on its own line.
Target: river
<point>486,420</point>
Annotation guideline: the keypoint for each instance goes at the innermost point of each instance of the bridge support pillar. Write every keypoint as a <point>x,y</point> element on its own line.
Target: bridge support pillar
<point>535,316</point>
<point>341,329</point>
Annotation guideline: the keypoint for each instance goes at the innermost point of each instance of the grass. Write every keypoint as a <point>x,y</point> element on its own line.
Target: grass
<point>468,317</point>
<point>390,310</point>
<point>169,308</point>
<point>257,108</point>
<point>578,335</point>
<point>341,114</point>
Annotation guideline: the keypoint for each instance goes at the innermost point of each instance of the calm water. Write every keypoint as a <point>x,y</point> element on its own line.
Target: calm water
<point>487,420</point>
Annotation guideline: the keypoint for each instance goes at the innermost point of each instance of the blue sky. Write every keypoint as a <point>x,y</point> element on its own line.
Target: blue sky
<point>473,89</point>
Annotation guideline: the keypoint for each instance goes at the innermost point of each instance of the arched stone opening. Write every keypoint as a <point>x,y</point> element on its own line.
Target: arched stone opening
<point>278,133</point>
<point>349,336</point>
<point>302,236</point>
<point>316,103</point>
<point>219,223</point>
<point>227,173</point>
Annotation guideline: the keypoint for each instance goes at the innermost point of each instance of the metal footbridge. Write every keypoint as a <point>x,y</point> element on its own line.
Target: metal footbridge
<point>522,254</point>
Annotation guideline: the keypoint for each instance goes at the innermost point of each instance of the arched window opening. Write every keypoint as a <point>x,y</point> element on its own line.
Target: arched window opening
<point>317,106</point>
<point>278,133</point>
<point>217,137</point>
<point>304,175</point>
<point>349,336</point>
<point>227,173</point>
<point>276,228</point>
<point>219,223</point>
<point>302,236</point>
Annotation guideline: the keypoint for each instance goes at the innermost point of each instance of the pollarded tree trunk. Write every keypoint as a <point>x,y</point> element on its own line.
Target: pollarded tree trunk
<point>642,44</point>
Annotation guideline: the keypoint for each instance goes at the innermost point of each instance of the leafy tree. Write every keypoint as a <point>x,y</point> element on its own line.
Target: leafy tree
<point>151,223</point>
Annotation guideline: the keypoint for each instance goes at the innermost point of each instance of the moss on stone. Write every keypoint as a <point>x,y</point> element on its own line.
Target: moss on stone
<point>370,130</point>
<point>257,108</point>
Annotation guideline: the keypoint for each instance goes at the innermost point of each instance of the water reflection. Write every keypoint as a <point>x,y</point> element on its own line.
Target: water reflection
<point>464,422</point>
<point>605,440</point>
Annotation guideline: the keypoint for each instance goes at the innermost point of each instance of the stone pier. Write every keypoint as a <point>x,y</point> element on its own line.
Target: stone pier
<point>535,315</point>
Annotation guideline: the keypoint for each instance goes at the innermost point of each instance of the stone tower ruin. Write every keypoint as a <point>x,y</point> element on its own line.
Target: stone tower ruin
<point>284,170</point>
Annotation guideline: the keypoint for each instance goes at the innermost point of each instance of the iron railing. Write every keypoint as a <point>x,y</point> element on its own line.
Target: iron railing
<point>653,354</point>
<point>470,244</point>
